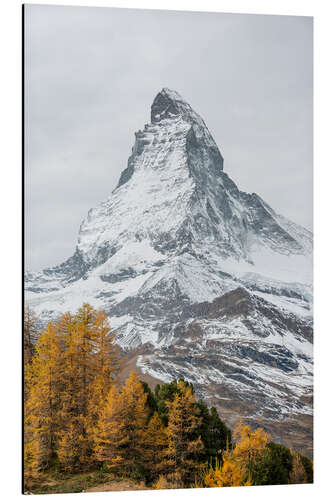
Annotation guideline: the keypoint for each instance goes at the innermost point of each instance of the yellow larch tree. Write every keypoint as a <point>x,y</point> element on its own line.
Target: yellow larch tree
<point>238,463</point>
<point>73,449</point>
<point>110,436</point>
<point>91,364</point>
<point>106,366</point>
<point>155,446</point>
<point>42,408</point>
<point>184,448</point>
<point>120,431</point>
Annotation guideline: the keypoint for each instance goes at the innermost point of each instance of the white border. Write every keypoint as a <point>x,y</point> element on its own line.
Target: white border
<point>10,210</point>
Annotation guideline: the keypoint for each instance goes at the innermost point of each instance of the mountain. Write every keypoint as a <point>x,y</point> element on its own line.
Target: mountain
<point>200,280</point>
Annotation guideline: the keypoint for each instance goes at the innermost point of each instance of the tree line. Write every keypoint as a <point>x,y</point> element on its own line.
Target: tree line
<point>79,417</point>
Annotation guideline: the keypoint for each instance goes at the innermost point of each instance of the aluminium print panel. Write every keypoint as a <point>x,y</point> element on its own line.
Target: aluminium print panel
<point>168,327</point>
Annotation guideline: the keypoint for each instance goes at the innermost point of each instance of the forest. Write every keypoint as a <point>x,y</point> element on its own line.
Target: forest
<point>83,426</point>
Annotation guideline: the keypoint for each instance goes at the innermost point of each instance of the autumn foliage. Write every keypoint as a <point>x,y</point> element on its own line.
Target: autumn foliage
<point>67,381</point>
<point>255,460</point>
<point>119,436</point>
<point>184,448</point>
<point>79,418</point>
<point>239,462</point>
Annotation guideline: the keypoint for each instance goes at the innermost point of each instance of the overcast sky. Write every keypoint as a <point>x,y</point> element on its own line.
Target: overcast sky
<point>92,74</point>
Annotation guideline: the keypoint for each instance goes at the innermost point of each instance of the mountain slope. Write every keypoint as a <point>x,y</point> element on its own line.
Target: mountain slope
<point>174,241</point>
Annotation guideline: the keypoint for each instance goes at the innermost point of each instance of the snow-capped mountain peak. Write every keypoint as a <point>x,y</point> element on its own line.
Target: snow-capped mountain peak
<point>175,200</point>
<point>168,104</point>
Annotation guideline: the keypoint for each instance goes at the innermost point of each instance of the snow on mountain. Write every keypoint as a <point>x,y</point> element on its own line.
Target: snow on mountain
<point>177,235</point>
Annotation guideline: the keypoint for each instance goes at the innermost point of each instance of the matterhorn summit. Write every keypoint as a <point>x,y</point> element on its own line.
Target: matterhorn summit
<point>200,280</point>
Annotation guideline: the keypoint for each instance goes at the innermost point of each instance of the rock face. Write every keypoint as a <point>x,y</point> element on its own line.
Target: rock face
<point>214,283</point>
